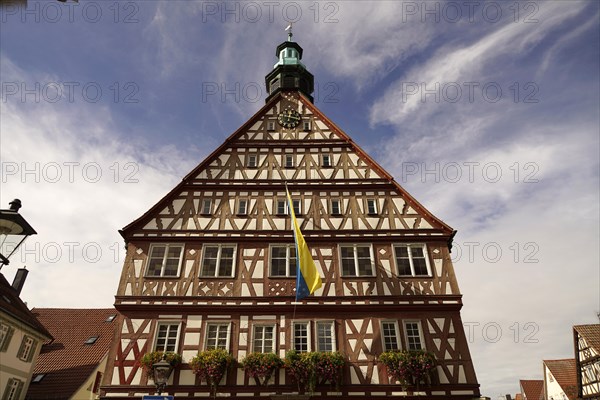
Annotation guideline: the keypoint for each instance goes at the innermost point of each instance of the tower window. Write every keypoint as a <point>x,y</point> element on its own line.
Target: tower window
<point>252,161</point>
<point>336,207</point>
<point>306,126</point>
<point>371,207</point>
<point>270,126</point>
<point>206,206</point>
<point>242,207</point>
<point>289,161</point>
<point>326,160</point>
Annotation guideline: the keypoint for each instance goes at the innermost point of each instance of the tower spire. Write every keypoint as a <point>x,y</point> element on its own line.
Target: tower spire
<point>289,73</point>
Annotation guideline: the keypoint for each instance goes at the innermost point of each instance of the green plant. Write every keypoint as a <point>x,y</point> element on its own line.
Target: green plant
<point>149,359</point>
<point>309,369</point>
<point>211,365</point>
<point>408,367</point>
<point>261,366</point>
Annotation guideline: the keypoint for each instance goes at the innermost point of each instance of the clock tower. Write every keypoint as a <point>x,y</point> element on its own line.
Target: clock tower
<point>289,73</point>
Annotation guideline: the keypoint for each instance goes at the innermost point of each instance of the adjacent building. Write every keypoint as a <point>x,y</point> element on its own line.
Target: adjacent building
<point>587,360</point>
<point>532,389</point>
<point>560,379</point>
<point>70,366</point>
<point>21,338</point>
<point>213,263</point>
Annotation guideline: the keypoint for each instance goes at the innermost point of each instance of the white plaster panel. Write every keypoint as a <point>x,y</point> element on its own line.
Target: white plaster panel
<point>192,338</point>
<point>258,288</point>
<point>186,377</point>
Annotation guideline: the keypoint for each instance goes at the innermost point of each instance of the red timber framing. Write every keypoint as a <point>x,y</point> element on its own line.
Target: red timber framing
<point>229,208</point>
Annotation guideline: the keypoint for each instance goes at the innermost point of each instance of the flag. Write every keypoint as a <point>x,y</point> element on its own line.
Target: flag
<point>307,276</point>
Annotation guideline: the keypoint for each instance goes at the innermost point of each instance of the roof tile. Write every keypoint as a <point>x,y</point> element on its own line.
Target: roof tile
<point>565,373</point>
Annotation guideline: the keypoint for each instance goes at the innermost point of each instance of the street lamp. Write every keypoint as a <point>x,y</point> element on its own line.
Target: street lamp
<point>161,371</point>
<point>13,231</point>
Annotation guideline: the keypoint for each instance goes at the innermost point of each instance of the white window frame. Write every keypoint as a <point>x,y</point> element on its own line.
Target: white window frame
<point>333,338</point>
<point>420,329</point>
<point>297,204</point>
<point>396,335</point>
<point>307,324</point>
<point>218,266</point>
<point>6,332</point>
<point>332,208</point>
<point>327,164</point>
<point>164,261</point>
<point>356,269</point>
<point>242,207</point>
<point>252,161</point>
<point>270,125</point>
<point>409,246</point>
<point>27,349</point>
<point>13,389</point>
<point>306,126</point>
<point>206,206</point>
<point>156,338</point>
<point>289,161</point>
<point>262,345</point>
<point>289,266</point>
<point>218,324</point>
<point>278,203</point>
<point>368,207</point>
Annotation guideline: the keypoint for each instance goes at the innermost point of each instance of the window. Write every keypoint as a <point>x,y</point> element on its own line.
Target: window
<point>217,336</point>
<point>264,339</point>
<point>91,340</point>
<point>251,163</point>
<point>389,335</point>
<point>301,337</point>
<point>110,318</point>
<point>412,260</point>
<point>218,260</point>
<point>6,333</point>
<point>371,206</point>
<point>13,389</point>
<point>283,260</point>
<point>306,126</point>
<point>413,336</point>
<point>206,206</point>
<point>297,207</point>
<point>270,126</point>
<point>27,349</point>
<point>336,207</point>
<point>242,207</point>
<point>281,207</point>
<point>325,336</point>
<point>37,378</point>
<point>356,260</point>
<point>164,260</point>
<point>326,160</point>
<point>167,336</point>
<point>289,161</point>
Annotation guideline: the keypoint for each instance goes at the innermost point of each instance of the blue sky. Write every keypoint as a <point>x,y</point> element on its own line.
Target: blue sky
<point>486,112</point>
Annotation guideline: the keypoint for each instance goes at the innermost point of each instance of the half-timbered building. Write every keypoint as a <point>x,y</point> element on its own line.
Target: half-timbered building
<point>587,358</point>
<point>212,264</point>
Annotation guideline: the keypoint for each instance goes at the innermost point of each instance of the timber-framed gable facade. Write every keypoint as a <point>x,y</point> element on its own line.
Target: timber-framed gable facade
<point>212,264</point>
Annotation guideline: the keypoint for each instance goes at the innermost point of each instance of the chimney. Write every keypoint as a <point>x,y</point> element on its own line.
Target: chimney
<point>15,205</point>
<point>19,280</point>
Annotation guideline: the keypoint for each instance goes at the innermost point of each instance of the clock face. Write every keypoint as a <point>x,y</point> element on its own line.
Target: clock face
<point>289,118</point>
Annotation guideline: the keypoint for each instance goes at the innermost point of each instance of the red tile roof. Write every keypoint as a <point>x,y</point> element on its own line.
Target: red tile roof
<point>532,389</point>
<point>518,396</point>
<point>591,334</point>
<point>67,360</point>
<point>565,373</point>
<point>12,305</point>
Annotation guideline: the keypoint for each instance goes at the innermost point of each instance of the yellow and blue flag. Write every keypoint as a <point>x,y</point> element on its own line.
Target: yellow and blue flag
<point>307,276</point>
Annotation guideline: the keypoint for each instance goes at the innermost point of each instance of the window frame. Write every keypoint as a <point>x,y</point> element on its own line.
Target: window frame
<point>249,163</point>
<point>279,202</point>
<point>368,203</point>
<point>270,126</point>
<point>298,210</point>
<point>27,349</point>
<point>291,159</point>
<point>206,201</point>
<point>218,324</point>
<point>339,206</point>
<point>420,331</point>
<point>220,247</point>
<point>397,335</point>
<point>409,246</point>
<point>273,340</point>
<point>13,389</point>
<point>332,331</point>
<point>306,126</point>
<point>308,335</point>
<point>356,265</point>
<point>288,259</point>
<point>327,164</point>
<point>164,261</point>
<point>6,336</point>
<point>156,333</point>
<point>239,210</point>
